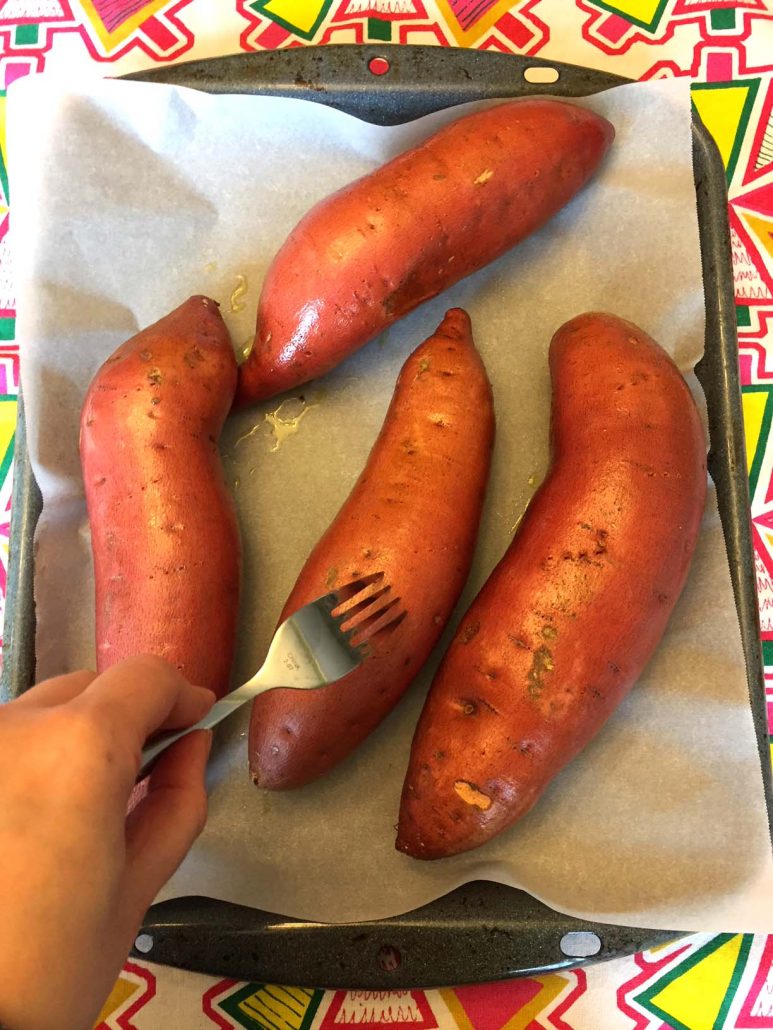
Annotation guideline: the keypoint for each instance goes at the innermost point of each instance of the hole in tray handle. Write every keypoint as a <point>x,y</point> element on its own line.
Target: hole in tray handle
<point>539,74</point>
<point>389,958</point>
<point>378,66</point>
<point>144,943</point>
<point>580,944</point>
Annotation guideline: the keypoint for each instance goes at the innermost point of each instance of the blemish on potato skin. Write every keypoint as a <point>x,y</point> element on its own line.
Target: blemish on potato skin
<point>518,641</point>
<point>468,707</point>
<point>193,357</point>
<point>487,704</point>
<point>541,664</point>
<point>600,537</point>
<point>471,794</point>
<point>332,576</point>
<point>470,630</point>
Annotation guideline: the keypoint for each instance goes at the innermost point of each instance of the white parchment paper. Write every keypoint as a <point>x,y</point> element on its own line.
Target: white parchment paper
<point>129,197</point>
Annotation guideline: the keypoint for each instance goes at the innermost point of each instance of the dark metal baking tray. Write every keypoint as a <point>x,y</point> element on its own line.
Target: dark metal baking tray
<point>483,931</point>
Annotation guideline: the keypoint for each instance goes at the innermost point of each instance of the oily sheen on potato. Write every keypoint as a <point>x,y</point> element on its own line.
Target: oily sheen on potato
<point>412,515</point>
<point>572,613</point>
<point>163,528</point>
<point>370,253</point>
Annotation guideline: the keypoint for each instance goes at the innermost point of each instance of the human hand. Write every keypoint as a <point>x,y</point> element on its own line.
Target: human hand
<point>76,873</point>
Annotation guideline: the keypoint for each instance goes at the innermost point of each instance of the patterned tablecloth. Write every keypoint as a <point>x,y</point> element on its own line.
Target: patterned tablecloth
<point>701,982</point>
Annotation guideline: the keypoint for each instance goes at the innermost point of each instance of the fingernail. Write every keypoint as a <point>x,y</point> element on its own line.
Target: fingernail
<point>210,738</point>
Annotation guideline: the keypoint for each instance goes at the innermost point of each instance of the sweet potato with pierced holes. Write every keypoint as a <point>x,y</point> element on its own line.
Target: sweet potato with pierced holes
<point>163,527</point>
<point>370,253</point>
<point>413,515</point>
<point>572,613</point>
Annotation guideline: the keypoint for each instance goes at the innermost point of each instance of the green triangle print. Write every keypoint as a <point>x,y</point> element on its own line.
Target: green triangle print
<point>725,109</point>
<point>269,1007</point>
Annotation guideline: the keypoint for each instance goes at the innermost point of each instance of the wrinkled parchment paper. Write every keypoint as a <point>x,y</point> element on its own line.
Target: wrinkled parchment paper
<point>129,197</point>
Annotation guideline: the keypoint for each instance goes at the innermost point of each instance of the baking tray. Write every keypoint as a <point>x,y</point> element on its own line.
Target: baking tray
<point>482,931</point>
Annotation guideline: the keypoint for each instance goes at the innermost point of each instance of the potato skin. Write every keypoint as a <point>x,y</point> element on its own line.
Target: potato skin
<point>370,253</point>
<point>572,613</point>
<point>163,528</point>
<point>413,514</point>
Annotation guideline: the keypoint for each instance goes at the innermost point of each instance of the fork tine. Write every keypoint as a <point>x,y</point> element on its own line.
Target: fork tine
<point>379,633</point>
<point>390,627</point>
<point>346,592</point>
<point>380,620</point>
<point>355,612</point>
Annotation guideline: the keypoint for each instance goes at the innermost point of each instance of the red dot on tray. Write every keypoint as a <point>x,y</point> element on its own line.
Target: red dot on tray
<point>378,66</point>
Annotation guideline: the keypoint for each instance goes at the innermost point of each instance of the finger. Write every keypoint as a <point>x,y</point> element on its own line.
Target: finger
<point>164,825</point>
<point>56,691</point>
<point>139,696</point>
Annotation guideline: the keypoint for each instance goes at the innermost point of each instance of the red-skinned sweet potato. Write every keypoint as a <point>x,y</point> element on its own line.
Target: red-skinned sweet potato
<point>412,515</point>
<point>163,527</point>
<point>373,251</point>
<point>572,613</point>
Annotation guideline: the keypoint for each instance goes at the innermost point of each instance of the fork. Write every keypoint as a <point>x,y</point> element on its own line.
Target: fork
<point>322,642</point>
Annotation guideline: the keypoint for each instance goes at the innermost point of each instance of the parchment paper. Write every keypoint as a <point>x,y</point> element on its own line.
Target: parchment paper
<point>129,197</point>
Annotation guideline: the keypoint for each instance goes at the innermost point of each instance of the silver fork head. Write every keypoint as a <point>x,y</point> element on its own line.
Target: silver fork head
<point>319,644</point>
<point>329,637</point>
<point>366,609</point>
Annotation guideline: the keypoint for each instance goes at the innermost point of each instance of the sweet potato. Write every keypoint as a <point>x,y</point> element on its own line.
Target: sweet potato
<point>163,527</point>
<point>413,515</point>
<point>373,251</point>
<point>570,616</point>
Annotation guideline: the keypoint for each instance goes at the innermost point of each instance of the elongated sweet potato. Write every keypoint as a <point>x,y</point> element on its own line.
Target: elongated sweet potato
<point>163,528</point>
<point>413,515</point>
<point>373,251</point>
<point>570,616</point>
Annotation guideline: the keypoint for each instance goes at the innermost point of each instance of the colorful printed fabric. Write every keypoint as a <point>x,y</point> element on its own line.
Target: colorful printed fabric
<point>701,982</point>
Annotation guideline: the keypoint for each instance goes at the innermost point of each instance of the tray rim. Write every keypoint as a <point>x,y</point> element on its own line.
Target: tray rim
<point>165,922</point>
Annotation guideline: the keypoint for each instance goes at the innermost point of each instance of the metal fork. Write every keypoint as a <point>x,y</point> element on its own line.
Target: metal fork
<point>319,644</point>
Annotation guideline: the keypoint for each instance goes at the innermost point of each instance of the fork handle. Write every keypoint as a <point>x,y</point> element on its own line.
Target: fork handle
<point>219,711</point>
